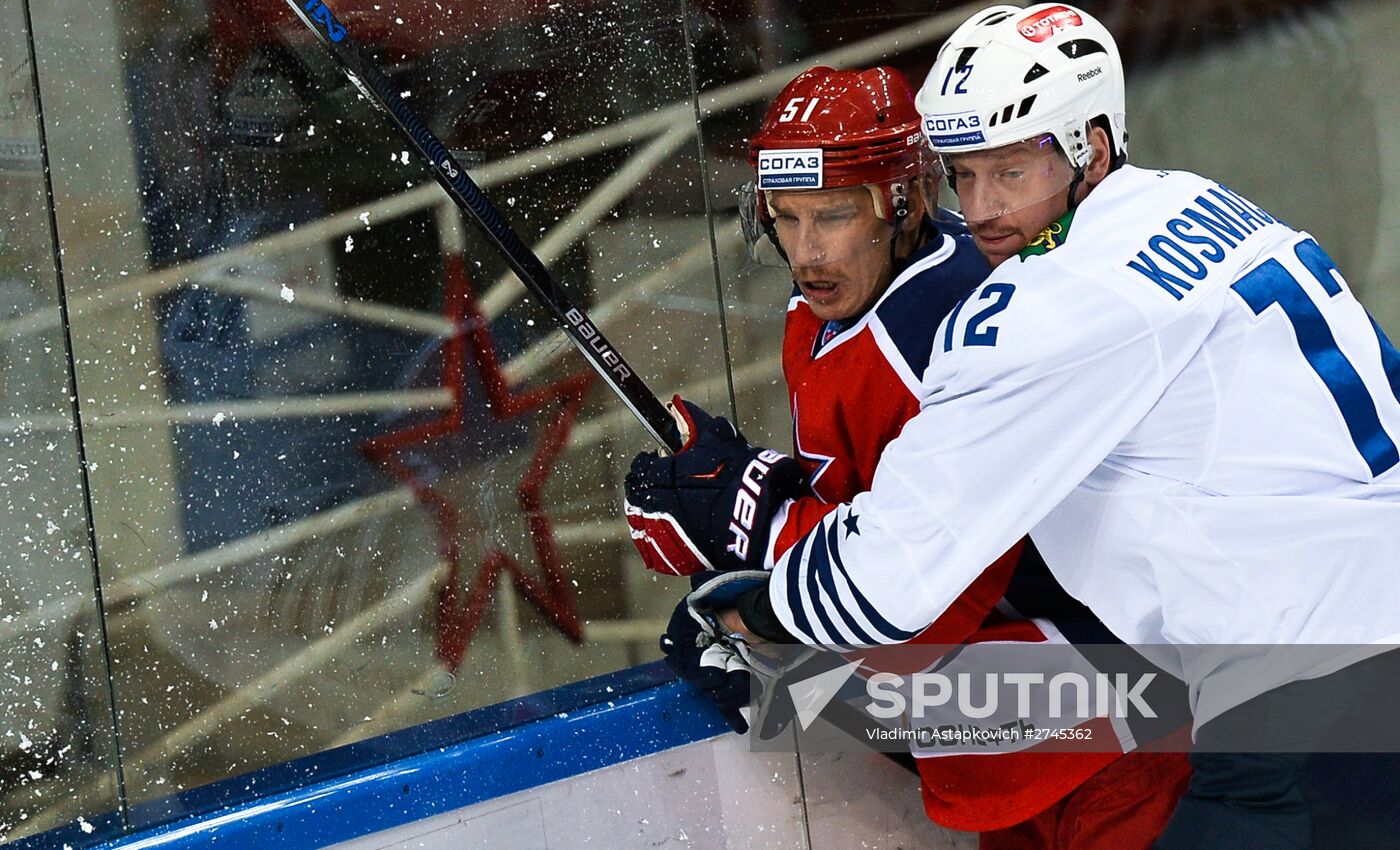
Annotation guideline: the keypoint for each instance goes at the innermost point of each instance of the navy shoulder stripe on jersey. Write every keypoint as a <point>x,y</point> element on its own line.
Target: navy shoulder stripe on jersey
<point>912,314</point>
<point>951,222</point>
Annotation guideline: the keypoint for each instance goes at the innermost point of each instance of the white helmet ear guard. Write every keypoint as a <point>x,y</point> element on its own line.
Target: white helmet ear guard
<point>1010,74</point>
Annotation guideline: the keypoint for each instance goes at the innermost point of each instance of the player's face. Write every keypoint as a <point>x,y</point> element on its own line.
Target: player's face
<point>1010,194</point>
<point>838,248</point>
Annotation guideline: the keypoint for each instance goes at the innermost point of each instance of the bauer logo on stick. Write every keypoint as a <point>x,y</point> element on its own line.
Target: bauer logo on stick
<point>796,168</point>
<point>320,13</point>
<point>595,341</point>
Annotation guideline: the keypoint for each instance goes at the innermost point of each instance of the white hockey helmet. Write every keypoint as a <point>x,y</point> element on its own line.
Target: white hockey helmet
<point>1010,74</point>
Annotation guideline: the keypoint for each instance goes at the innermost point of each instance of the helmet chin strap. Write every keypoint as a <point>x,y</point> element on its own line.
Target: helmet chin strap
<point>1070,202</point>
<point>772,233</point>
<point>925,231</point>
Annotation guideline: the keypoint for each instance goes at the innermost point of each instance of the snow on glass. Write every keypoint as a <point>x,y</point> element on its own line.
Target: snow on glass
<point>259,315</point>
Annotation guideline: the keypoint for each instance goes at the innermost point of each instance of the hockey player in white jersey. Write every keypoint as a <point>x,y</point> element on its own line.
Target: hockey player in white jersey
<point>1172,391</point>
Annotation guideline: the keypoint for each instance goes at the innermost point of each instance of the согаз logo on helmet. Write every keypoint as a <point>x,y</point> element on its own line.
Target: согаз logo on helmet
<point>1042,25</point>
<point>955,128</point>
<point>797,168</point>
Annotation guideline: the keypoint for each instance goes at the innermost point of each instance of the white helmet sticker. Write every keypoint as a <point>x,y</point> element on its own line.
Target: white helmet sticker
<point>954,128</point>
<point>792,168</point>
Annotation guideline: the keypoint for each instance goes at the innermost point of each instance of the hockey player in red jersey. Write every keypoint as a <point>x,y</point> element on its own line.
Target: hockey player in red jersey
<point>842,198</point>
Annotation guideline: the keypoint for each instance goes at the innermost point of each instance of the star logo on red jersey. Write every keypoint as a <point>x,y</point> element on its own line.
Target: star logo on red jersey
<point>819,462</point>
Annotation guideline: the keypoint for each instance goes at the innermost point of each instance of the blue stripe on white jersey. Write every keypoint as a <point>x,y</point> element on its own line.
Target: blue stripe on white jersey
<point>819,566</point>
<point>827,579</point>
<point>1390,359</point>
<point>816,581</point>
<point>801,623</point>
<point>880,624</point>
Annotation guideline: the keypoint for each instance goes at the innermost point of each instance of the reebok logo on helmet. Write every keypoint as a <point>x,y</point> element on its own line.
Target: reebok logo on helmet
<point>1043,24</point>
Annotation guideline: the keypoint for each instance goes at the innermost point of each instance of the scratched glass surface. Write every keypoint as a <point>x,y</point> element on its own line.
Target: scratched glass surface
<point>346,475</point>
<point>57,759</point>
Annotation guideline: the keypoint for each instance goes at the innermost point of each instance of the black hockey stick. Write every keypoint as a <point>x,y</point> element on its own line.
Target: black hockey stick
<point>468,196</point>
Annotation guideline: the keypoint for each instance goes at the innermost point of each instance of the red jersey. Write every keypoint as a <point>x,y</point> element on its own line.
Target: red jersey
<point>852,386</point>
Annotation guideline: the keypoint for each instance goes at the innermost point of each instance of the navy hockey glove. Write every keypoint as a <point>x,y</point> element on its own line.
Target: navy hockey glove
<point>720,664</point>
<point>749,684</point>
<point>710,505</point>
<point>698,650</point>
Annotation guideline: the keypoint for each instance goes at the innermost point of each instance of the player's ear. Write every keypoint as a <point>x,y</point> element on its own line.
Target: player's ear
<point>1099,166</point>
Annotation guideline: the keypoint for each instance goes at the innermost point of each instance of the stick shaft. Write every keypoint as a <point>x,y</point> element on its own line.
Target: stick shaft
<point>590,341</point>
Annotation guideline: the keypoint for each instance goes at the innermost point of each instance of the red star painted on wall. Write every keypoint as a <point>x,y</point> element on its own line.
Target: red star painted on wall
<point>460,611</point>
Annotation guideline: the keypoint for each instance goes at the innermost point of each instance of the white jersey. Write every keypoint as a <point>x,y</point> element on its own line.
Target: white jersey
<point>1191,415</point>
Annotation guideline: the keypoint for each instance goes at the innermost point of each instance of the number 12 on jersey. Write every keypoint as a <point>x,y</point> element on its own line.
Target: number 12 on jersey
<point>1271,284</point>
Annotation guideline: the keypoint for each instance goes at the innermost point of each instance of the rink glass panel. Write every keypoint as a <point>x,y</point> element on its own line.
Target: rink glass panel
<point>57,755</point>
<point>299,505</point>
<point>333,522</point>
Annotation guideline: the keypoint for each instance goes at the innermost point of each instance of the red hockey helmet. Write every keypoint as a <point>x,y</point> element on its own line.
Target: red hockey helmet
<point>830,129</point>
